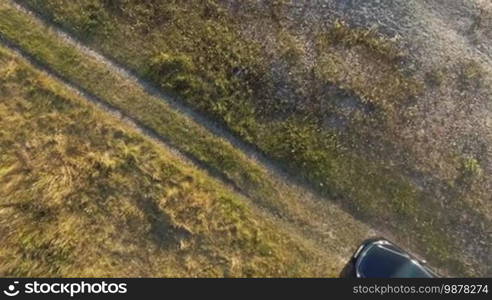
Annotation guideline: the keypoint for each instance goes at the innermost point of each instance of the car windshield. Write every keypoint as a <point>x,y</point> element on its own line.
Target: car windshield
<point>382,261</point>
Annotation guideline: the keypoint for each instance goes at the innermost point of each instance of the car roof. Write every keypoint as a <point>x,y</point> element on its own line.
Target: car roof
<point>381,258</point>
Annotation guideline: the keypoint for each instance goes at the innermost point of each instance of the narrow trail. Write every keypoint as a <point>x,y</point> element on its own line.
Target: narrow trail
<point>326,237</point>
<point>295,233</point>
<point>170,99</point>
<point>335,235</point>
<point>274,169</point>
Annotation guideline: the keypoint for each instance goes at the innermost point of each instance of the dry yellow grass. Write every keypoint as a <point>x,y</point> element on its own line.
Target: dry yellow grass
<point>82,194</point>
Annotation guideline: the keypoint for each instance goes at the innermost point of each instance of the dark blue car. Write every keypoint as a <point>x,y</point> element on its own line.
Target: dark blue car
<point>379,258</point>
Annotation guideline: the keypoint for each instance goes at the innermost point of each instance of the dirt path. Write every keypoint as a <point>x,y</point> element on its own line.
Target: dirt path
<point>332,231</point>
<point>306,236</point>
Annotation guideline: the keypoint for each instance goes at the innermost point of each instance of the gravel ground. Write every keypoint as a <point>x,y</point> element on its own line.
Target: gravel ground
<point>448,126</point>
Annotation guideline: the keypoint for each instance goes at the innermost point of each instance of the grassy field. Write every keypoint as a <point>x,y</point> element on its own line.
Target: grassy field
<point>194,50</point>
<point>150,111</point>
<point>82,194</point>
<point>278,197</point>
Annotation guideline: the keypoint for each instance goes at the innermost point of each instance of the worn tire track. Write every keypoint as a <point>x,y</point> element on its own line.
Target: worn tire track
<point>324,238</point>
